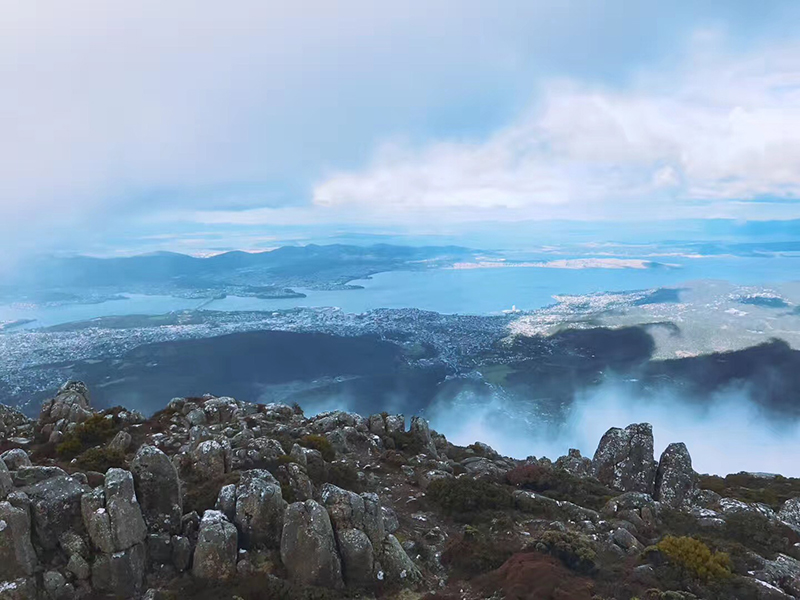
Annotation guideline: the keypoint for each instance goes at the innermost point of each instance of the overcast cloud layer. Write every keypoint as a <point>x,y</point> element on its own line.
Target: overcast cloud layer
<point>153,114</point>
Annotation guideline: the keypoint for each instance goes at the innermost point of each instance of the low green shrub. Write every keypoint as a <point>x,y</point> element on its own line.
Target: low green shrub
<point>95,430</point>
<point>320,443</point>
<point>695,557</point>
<point>572,549</point>
<point>201,495</point>
<point>464,495</point>
<point>101,459</point>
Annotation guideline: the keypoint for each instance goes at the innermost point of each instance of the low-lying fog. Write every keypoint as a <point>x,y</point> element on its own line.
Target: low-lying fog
<point>726,434</point>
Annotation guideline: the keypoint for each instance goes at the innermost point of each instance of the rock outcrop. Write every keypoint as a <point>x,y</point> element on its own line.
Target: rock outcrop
<point>235,494</point>
<point>675,478</point>
<point>624,459</point>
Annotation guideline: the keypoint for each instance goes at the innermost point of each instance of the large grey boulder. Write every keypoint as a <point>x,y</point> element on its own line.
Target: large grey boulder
<point>574,463</point>
<point>120,573</point>
<point>17,556</point>
<point>217,547</point>
<point>308,547</point>
<point>624,459</point>
<point>259,509</point>
<point>96,520</point>
<point>158,489</point>
<point>55,508</point>
<point>127,524</point>
<point>346,508</point>
<point>675,478</point>
<point>396,563</point>
<point>211,459</point>
<point>357,556</point>
<point>15,458</point>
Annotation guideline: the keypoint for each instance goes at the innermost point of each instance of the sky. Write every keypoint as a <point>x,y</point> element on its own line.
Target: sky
<point>194,125</point>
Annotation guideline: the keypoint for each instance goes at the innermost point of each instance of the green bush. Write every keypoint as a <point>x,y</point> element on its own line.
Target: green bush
<point>406,442</point>
<point>773,491</point>
<point>475,553</point>
<point>320,443</point>
<point>101,459</point>
<point>572,549</point>
<point>695,557</point>
<point>464,495</point>
<point>95,430</point>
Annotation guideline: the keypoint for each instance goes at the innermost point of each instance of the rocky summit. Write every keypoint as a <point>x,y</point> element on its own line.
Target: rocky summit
<point>217,498</point>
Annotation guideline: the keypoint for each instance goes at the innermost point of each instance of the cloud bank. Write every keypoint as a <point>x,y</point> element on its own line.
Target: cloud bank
<point>705,138</point>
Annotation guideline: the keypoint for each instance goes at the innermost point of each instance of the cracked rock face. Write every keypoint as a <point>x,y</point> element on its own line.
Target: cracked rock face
<point>158,489</point>
<point>308,547</point>
<point>217,547</point>
<point>624,459</point>
<point>675,478</point>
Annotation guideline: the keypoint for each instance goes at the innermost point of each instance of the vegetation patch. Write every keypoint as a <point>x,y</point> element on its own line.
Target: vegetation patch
<point>319,443</point>
<point>475,553</point>
<point>560,485</point>
<point>773,491</point>
<point>462,497</point>
<point>101,459</point>
<point>97,429</point>
<point>201,494</point>
<point>695,557</point>
<point>573,550</point>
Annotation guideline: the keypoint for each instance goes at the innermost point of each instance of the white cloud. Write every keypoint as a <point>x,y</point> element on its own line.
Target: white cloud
<point>720,129</point>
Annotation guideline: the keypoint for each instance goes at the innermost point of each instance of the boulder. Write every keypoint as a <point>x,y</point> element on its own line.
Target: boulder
<point>17,556</point>
<point>421,432</point>
<point>308,547</point>
<point>624,459</point>
<point>259,509</point>
<point>789,513</point>
<point>675,478</point>
<point>120,442</point>
<point>30,475</point>
<point>120,573</point>
<point>398,566</point>
<point>15,458</point>
<point>217,546</point>
<point>357,556</point>
<point>158,489</point>
<point>574,463</point>
<point>6,482</point>
<point>125,516</point>
<point>211,459</point>
<point>55,508</point>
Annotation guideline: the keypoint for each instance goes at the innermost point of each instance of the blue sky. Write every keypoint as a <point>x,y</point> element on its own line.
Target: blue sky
<point>198,125</point>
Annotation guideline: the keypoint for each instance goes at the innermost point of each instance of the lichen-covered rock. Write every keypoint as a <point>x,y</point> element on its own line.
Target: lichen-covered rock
<point>308,547</point>
<point>211,459</point>
<point>398,566</point>
<point>421,432</point>
<point>15,458</point>
<point>624,459</point>
<point>789,513</point>
<point>357,556</point>
<point>120,573</point>
<point>6,482</point>
<point>574,463</point>
<point>158,489</point>
<point>96,520</point>
<point>675,478</point>
<point>55,508</point>
<point>217,545</point>
<point>71,404</point>
<point>30,475</point>
<point>121,442</point>
<point>17,556</point>
<point>346,508</point>
<point>259,509</point>
<point>127,525</point>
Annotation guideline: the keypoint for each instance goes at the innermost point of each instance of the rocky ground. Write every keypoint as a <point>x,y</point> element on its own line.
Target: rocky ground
<point>217,498</point>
